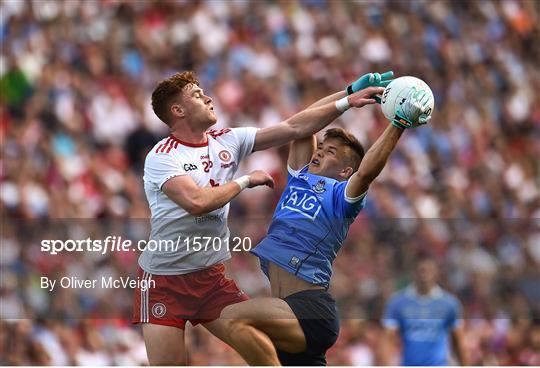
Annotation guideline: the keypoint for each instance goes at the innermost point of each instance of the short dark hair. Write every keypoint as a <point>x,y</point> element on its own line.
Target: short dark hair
<point>169,88</point>
<point>350,141</point>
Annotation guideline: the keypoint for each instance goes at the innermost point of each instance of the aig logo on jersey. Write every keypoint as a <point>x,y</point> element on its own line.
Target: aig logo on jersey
<point>303,201</point>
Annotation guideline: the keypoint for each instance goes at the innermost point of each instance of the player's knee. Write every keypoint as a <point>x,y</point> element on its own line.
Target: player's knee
<point>231,312</point>
<point>164,345</point>
<point>166,356</point>
<point>239,328</point>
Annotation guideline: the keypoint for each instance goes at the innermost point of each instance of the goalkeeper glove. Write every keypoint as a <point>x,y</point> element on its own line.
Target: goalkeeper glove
<point>370,79</point>
<point>410,113</point>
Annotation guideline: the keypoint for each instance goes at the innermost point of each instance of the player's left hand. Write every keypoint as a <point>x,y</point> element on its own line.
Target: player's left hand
<point>260,177</point>
<point>364,96</point>
<point>410,114</point>
<point>371,80</point>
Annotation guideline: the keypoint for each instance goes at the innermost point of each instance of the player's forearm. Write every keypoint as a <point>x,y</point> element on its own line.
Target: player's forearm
<point>390,347</point>
<point>459,348</point>
<point>301,125</point>
<point>311,120</point>
<point>210,199</point>
<point>378,154</point>
<point>460,357</point>
<point>325,100</point>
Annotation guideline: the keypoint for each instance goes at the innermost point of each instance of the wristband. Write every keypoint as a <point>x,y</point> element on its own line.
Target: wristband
<point>243,181</point>
<point>398,123</point>
<point>343,104</point>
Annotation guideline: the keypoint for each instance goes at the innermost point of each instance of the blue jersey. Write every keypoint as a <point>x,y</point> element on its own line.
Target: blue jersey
<point>424,324</point>
<point>309,226</point>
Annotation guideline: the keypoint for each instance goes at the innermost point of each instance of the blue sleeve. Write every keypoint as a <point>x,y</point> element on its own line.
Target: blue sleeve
<point>455,317</point>
<point>347,207</point>
<point>391,314</point>
<point>291,173</point>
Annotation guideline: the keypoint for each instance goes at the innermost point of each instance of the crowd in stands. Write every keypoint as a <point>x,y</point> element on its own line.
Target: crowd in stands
<point>76,122</point>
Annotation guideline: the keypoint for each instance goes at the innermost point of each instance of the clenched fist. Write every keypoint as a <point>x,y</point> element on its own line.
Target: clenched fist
<point>259,177</point>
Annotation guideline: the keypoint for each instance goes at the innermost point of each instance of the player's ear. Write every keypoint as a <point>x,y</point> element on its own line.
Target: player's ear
<point>177,110</point>
<point>346,172</point>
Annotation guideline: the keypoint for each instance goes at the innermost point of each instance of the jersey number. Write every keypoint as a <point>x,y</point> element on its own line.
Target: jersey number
<point>207,165</point>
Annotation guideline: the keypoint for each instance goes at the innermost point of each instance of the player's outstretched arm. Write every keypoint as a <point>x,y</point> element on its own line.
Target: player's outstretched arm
<point>197,201</point>
<point>309,121</point>
<point>408,115</point>
<point>373,162</point>
<point>301,150</point>
<point>328,99</point>
<point>366,80</point>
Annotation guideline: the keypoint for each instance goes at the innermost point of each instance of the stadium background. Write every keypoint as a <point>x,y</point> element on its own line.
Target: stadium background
<point>76,121</point>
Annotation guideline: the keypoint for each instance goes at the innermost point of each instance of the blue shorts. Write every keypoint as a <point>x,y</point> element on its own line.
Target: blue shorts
<point>317,314</point>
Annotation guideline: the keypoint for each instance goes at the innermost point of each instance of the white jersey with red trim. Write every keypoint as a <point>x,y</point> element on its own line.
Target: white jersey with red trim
<point>173,248</point>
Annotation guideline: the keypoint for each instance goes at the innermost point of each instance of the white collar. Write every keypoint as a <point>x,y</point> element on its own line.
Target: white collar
<point>435,292</point>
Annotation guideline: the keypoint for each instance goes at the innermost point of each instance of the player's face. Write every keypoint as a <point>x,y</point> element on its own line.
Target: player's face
<point>330,160</point>
<point>198,107</point>
<point>426,274</point>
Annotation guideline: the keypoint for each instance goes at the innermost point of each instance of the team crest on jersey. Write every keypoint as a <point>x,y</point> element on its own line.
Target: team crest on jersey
<point>224,156</point>
<point>159,310</point>
<point>319,187</point>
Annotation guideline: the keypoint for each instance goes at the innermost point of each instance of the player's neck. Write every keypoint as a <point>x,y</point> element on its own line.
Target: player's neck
<point>187,133</point>
<point>424,290</point>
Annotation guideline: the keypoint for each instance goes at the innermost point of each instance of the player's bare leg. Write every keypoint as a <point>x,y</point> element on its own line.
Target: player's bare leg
<point>164,344</point>
<point>253,345</point>
<point>273,316</point>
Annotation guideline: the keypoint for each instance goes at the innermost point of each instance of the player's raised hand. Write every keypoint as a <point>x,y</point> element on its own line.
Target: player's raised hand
<point>370,80</point>
<point>260,177</point>
<point>364,97</point>
<point>410,113</point>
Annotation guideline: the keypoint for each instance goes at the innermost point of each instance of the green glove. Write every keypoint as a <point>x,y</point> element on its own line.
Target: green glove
<point>410,113</point>
<point>371,79</point>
